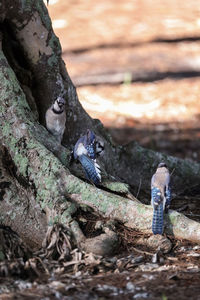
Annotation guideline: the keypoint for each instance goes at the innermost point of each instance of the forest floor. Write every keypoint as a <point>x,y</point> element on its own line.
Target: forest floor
<point>136,65</point>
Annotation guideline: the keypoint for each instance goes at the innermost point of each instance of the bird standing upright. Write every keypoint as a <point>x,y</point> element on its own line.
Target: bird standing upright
<point>56,118</point>
<point>160,196</point>
<point>85,152</point>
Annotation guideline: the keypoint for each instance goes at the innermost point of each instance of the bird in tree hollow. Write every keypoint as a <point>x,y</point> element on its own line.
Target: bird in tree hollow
<point>56,118</point>
<point>86,150</point>
<point>160,196</point>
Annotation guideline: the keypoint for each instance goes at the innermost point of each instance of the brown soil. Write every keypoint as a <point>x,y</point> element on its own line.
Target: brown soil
<point>136,65</point>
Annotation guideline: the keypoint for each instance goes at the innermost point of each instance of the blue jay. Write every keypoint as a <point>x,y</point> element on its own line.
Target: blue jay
<point>85,152</point>
<point>160,196</point>
<point>56,118</point>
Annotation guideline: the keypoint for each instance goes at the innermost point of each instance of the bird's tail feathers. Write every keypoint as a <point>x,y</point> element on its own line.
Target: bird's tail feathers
<point>92,169</point>
<point>157,203</point>
<point>157,222</point>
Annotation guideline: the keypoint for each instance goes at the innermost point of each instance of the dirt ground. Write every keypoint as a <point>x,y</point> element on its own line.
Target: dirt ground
<point>136,65</point>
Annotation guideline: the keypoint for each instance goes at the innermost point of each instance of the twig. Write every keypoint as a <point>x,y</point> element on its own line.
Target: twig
<point>141,251</point>
<point>172,171</point>
<point>139,188</point>
<point>172,258</point>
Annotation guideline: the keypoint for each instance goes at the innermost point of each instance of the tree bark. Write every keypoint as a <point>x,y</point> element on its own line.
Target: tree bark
<point>39,185</point>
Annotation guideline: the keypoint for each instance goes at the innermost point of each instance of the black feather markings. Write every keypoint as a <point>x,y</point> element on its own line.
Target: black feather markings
<point>91,169</point>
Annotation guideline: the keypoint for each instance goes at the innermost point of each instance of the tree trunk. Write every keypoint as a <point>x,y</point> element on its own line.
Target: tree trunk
<point>38,185</point>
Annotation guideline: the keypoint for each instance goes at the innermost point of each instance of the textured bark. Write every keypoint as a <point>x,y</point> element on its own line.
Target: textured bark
<point>41,180</point>
<point>31,27</point>
<point>18,207</point>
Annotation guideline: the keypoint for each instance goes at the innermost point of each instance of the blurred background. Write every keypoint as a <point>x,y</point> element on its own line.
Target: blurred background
<point>136,66</point>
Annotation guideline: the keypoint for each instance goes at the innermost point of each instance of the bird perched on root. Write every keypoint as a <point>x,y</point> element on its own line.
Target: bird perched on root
<point>85,151</point>
<point>160,196</point>
<point>56,118</point>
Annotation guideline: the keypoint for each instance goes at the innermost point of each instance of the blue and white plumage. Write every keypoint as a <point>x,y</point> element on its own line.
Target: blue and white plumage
<point>160,197</point>
<point>85,152</point>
